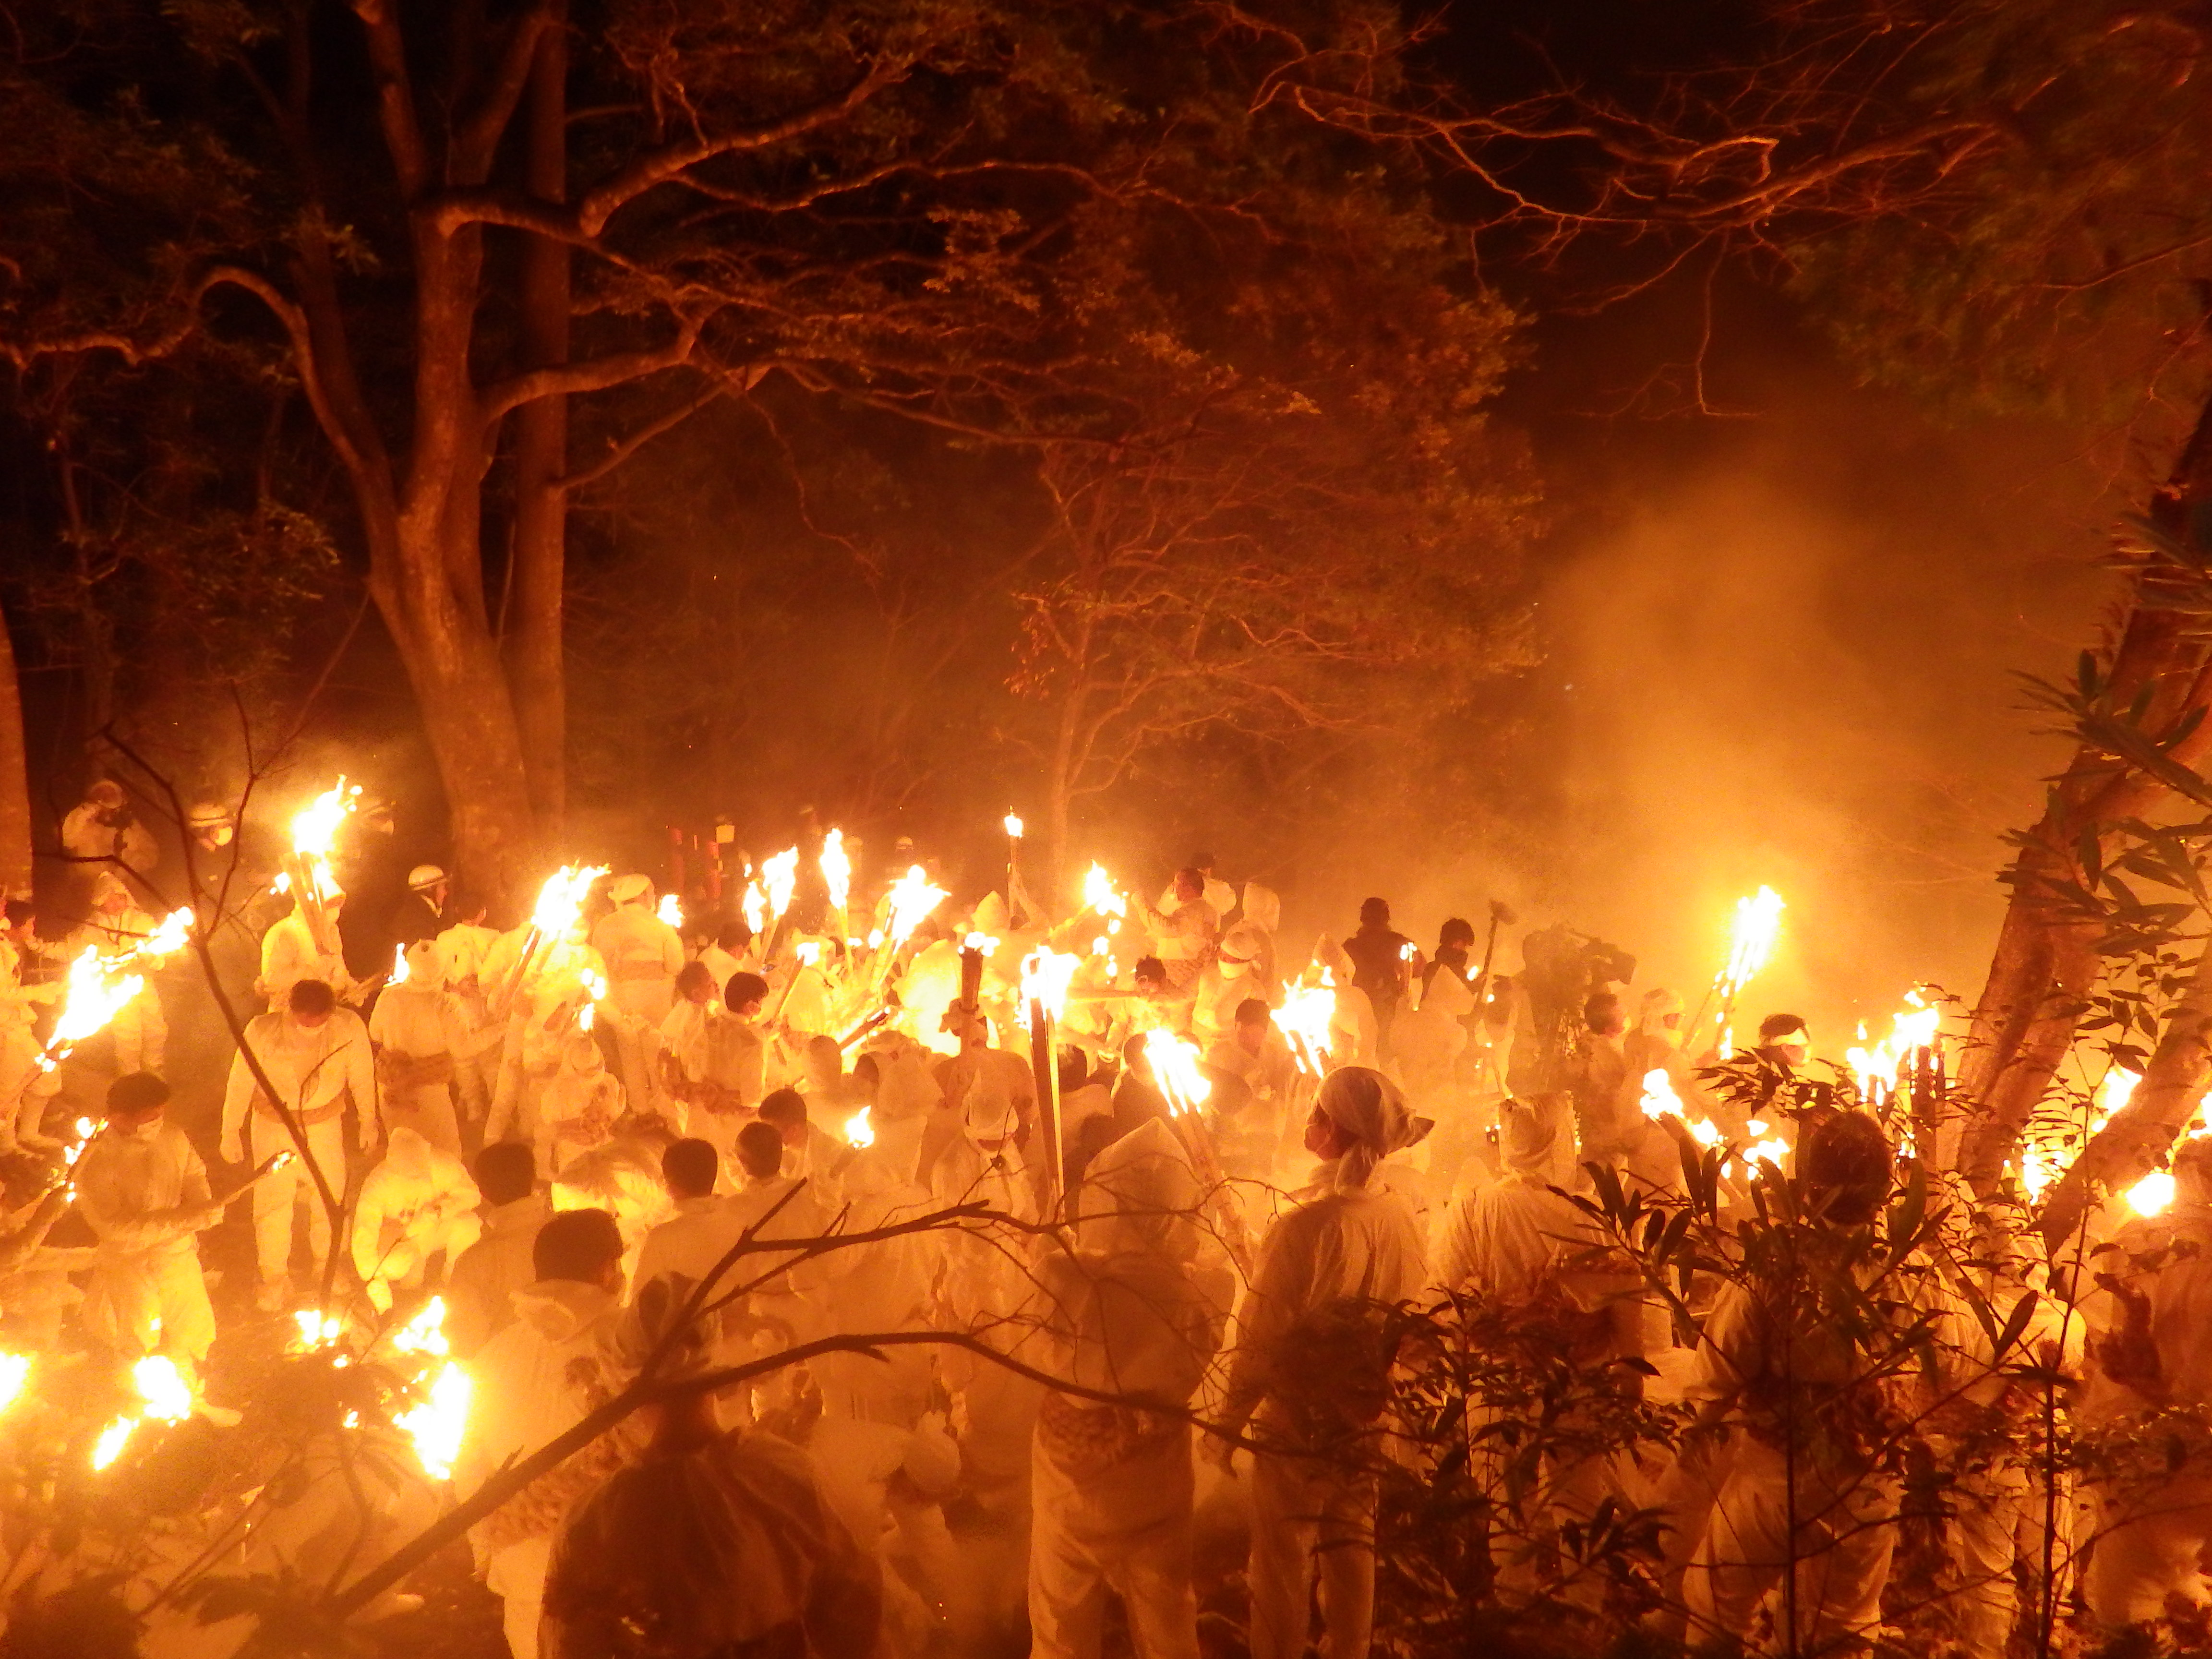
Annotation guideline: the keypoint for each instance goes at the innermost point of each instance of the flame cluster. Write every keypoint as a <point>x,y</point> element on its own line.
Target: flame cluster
<point>1751,940</point>
<point>1306,1019</point>
<point>1046,975</point>
<point>1174,1063</point>
<point>560,907</point>
<point>913,897</point>
<point>1912,1028</point>
<point>315,834</point>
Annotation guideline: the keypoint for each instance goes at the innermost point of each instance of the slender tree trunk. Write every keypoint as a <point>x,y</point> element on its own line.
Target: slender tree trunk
<point>15,779</point>
<point>534,662</point>
<point>2144,1130</point>
<point>2046,963</point>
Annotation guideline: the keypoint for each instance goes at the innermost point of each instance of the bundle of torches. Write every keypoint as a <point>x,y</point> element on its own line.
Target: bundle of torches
<point>99,985</point>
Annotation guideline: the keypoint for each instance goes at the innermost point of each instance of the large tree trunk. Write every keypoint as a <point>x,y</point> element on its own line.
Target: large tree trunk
<point>2045,964</point>
<point>15,779</point>
<point>2144,1130</point>
<point>534,662</point>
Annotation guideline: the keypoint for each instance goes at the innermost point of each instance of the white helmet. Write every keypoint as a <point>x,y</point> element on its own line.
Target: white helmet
<point>424,876</point>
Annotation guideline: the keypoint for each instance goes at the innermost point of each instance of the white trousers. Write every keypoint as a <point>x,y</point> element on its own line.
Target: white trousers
<point>2149,1543</point>
<point>276,1196</point>
<point>517,1576</point>
<point>1844,1531</point>
<point>154,1300</point>
<point>1124,1528</point>
<point>1311,1518</point>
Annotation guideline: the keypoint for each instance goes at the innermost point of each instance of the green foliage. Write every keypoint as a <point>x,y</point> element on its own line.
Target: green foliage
<point>2044,254</point>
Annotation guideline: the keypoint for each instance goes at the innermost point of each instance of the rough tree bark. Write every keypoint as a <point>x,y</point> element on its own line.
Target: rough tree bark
<point>15,779</point>
<point>2045,964</point>
<point>534,629</point>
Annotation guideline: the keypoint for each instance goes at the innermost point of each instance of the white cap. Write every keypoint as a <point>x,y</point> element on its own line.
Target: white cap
<point>424,876</point>
<point>626,889</point>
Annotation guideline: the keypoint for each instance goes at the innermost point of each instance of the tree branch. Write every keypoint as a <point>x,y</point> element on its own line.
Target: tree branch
<point>601,204</point>
<point>395,96</point>
<point>594,374</point>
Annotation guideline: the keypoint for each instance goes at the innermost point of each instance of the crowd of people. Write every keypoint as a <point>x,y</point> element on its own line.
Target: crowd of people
<point>1167,1266</point>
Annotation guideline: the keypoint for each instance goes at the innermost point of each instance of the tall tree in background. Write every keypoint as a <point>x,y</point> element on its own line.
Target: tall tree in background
<point>457,215</point>
<point>15,778</point>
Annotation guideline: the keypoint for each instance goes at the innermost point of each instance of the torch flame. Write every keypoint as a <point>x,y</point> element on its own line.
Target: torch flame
<point>1173,1061</point>
<point>782,874</point>
<point>109,1446</point>
<point>315,830</point>
<point>1772,1151</point>
<point>92,996</point>
<point>313,1330</point>
<point>2152,1195</point>
<point>1013,826</point>
<point>426,1332</point>
<point>2114,1090</point>
<point>399,967</point>
<point>163,1388</point>
<point>1307,1017</point>
<point>858,1131</point>
<point>436,1423</point>
<point>913,897</point>
<point>1751,942</point>
<point>983,942</point>
<point>168,938</point>
<point>15,1372</point>
<point>1046,975</point>
<point>1659,1099</point>
<point>755,908</point>
<point>1913,1028</point>
<point>560,905</point>
<point>1098,894</point>
<point>837,868</point>
<point>670,910</point>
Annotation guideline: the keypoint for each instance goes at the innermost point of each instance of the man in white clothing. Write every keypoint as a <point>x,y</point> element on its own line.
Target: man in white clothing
<point>102,826</point>
<point>643,953</point>
<point>116,926</point>
<point>534,1381</point>
<point>290,953</point>
<point>419,1026</point>
<point>143,1191</point>
<point>418,1202</point>
<point>480,1286</point>
<point>1127,1313</point>
<point>1312,1373</point>
<point>317,1056</point>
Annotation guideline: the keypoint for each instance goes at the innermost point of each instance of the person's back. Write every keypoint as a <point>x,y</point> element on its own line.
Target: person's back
<point>480,1284</point>
<point>710,1545</point>
<point>533,1383</point>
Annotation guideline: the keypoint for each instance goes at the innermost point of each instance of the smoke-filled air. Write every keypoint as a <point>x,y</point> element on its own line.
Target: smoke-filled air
<point>927,830</point>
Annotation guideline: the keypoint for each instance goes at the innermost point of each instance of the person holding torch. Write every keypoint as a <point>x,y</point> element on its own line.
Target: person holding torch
<point>317,1055</point>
